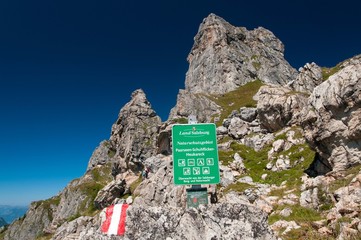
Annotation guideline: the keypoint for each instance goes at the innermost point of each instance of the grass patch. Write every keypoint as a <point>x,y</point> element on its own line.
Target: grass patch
<point>300,215</point>
<point>135,184</point>
<point>111,153</point>
<point>44,236</point>
<point>305,232</point>
<point>226,157</point>
<point>87,208</point>
<point>234,100</point>
<point>255,163</point>
<point>345,181</point>
<point>180,120</point>
<point>237,187</point>
<point>102,174</point>
<point>256,65</point>
<point>225,139</point>
<point>327,72</point>
<point>325,200</point>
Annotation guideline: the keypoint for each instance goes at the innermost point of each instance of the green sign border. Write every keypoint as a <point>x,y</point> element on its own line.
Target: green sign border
<point>195,154</point>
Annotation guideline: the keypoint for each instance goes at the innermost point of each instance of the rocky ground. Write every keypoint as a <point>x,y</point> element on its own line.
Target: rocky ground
<point>289,147</point>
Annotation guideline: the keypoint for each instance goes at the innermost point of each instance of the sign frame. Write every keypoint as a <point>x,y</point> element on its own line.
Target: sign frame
<point>195,154</point>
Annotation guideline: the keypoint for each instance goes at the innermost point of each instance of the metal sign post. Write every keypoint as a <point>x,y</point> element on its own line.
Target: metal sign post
<point>195,158</point>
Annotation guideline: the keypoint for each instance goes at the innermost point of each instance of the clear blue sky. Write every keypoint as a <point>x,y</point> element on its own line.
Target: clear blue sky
<point>67,67</point>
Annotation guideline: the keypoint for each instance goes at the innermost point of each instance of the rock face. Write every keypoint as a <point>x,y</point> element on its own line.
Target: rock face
<point>37,218</point>
<point>332,125</point>
<point>220,221</point>
<point>224,58</point>
<point>101,155</point>
<point>310,76</point>
<point>279,107</point>
<point>159,189</point>
<point>194,104</point>
<point>109,193</point>
<point>134,134</point>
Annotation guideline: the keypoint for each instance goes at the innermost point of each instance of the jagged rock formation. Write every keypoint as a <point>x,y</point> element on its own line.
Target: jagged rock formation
<point>38,217</point>
<point>103,154</point>
<point>132,140</point>
<point>310,76</point>
<point>194,104</point>
<point>332,125</point>
<point>225,57</point>
<point>134,134</point>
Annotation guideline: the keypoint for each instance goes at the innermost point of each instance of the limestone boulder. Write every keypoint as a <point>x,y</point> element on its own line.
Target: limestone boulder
<point>332,123</point>
<point>309,77</point>
<point>279,107</point>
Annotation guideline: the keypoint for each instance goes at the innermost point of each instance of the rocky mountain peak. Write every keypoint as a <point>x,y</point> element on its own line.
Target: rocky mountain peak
<point>139,96</point>
<point>225,57</point>
<point>134,134</point>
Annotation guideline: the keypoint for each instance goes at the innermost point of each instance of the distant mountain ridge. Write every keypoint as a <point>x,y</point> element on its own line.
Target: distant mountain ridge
<point>10,213</point>
<point>2,222</point>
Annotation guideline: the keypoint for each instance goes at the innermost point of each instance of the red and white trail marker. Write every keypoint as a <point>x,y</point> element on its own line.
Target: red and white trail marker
<point>114,223</point>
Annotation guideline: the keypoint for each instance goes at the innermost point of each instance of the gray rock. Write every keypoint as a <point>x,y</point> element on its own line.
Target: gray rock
<point>158,189</point>
<point>164,143</point>
<point>103,154</point>
<point>286,212</point>
<point>279,107</point>
<point>248,114</point>
<point>332,123</point>
<point>135,133</point>
<point>216,65</point>
<point>227,176</point>
<point>282,227</point>
<point>71,230</point>
<point>258,141</point>
<point>109,193</point>
<point>219,221</point>
<point>238,128</point>
<point>189,103</point>
<point>222,130</point>
<point>282,163</point>
<point>224,58</point>
<point>238,164</point>
<point>309,198</point>
<point>37,219</point>
<point>245,179</point>
<point>310,76</point>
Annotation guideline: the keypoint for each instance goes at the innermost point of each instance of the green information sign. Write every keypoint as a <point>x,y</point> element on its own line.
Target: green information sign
<point>195,154</point>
